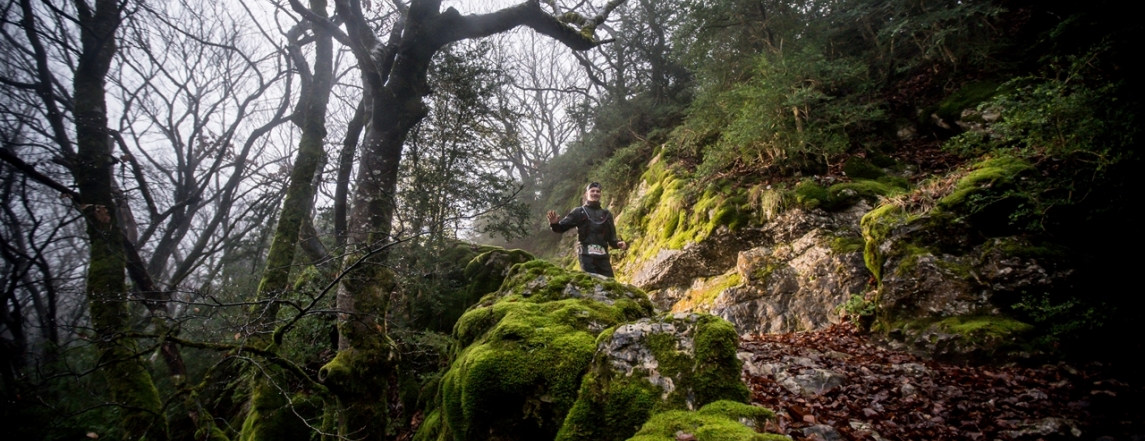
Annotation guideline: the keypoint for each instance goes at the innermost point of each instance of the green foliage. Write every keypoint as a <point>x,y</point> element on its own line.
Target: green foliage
<point>718,421</point>
<point>795,111</point>
<point>445,175</point>
<point>856,307</point>
<point>620,172</point>
<point>1064,319</point>
<point>1065,114</point>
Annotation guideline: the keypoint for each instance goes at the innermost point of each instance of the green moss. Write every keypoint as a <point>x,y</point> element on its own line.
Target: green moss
<point>523,350</point>
<point>718,421</point>
<point>843,195</point>
<point>703,298</point>
<point>989,175</point>
<point>983,327</point>
<point>431,428</point>
<point>485,273</point>
<point>859,168</point>
<point>811,195</point>
<point>910,262</point>
<point>968,96</point>
<point>877,225</point>
<point>676,211</point>
<point>273,416</point>
<point>846,244</point>
<point>896,182</point>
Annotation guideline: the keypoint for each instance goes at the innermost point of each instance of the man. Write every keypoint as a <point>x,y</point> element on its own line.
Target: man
<point>595,230</point>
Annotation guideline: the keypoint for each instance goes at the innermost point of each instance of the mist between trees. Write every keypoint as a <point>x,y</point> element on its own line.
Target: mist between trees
<point>248,218</point>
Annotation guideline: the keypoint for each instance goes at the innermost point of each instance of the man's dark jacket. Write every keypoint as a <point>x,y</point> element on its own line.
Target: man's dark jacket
<point>594,226</point>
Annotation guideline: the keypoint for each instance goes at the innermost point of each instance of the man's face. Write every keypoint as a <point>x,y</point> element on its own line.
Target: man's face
<point>593,194</point>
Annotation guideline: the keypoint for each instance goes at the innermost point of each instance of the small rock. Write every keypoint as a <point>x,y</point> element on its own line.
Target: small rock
<point>681,436</point>
<point>838,355</point>
<point>912,369</point>
<point>822,432</point>
<point>908,390</point>
<point>815,382</point>
<point>1044,427</point>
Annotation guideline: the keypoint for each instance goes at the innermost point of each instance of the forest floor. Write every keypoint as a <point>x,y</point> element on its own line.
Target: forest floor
<point>837,384</point>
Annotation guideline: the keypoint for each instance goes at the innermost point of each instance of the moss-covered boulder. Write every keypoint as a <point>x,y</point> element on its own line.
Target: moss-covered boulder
<point>674,362</point>
<point>521,353</point>
<point>718,421</point>
<point>485,272</point>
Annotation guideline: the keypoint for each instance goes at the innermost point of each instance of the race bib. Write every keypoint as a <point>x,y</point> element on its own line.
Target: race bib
<point>595,250</point>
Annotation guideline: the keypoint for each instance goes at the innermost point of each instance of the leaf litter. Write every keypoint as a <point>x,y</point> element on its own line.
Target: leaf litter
<point>892,395</point>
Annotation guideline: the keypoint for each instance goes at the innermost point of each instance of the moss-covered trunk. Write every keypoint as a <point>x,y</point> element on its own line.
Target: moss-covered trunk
<point>270,416</point>
<point>129,382</point>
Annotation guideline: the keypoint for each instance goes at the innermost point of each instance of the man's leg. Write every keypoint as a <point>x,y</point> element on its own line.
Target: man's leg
<point>596,265</point>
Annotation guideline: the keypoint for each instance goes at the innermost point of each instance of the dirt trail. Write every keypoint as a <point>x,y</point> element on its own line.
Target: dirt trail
<point>838,385</point>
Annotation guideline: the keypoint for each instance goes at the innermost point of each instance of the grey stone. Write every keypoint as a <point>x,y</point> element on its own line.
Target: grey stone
<point>810,383</point>
<point>822,432</point>
<point>1045,427</point>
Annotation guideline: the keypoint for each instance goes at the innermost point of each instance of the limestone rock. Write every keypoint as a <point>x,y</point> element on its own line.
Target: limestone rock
<point>707,258</point>
<point>674,362</point>
<point>796,283</point>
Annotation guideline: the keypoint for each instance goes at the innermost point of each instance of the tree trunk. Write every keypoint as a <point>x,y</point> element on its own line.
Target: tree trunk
<point>271,413</point>
<point>130,383</point>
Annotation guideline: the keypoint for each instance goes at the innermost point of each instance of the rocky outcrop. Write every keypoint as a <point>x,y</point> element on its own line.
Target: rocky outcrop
<point>796,286</point>
<point>946,286</point>
<point>711,257</point>
<point>927,283</point>
<point>789,274</point>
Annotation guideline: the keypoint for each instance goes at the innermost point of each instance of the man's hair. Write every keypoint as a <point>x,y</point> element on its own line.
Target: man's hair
<point>592,185</point>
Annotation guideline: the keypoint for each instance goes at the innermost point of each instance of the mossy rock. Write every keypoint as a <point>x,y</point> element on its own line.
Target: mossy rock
<point>676,210</point>
<point>846,194</point>
<point>877,226</point>
<point>674,362</point>
<point>859,168</point>
<point>521,353</point>
<point>969,96</point>
<point>718,421</point>
<point>485,272</point>
<point>972,338</point>
<point>986,183</point>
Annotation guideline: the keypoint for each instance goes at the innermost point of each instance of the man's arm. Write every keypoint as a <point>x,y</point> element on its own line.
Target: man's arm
<point>614,241</point>
<point>570,221</point>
